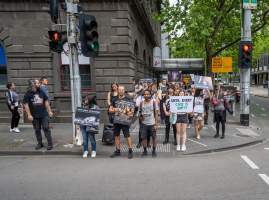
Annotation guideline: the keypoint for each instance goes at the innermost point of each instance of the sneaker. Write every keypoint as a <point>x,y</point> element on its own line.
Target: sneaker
<point>222,137</point>
<point>183,148</point>
<point>39,146</point>
<point>50,147</point>
<point>11,130</point>
<point>154,154</point>
<point>130,155</point>
<point>115,154</point>
<point>16,130</point>
<point>216,136</point>
<point>93,155</point>
<point>178,147</point>
<point>198,137</point>
<point>165,142</point>
<point>85,154</point>
<point>138,145</point>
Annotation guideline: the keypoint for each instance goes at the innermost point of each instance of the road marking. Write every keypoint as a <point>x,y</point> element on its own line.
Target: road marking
<point>266,148</point>
<point>257,104</point>
<point>249,162</point>
<point>213,127</point>
<point>263,109</point>
<point>265,178</point>
<point>98,140</point>
<point>247,132</point>
<point>252,115</point>
<point>197,142</point>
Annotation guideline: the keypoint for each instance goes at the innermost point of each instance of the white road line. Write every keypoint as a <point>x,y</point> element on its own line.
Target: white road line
<point>249,162</point>
<point>98,140</point>
<point>197,142</point>
<point>266,148</point>
<point>213,127</point>
<point>265,178</point>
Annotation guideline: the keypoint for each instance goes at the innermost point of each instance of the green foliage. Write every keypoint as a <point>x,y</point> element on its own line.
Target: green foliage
<point>208,28</point>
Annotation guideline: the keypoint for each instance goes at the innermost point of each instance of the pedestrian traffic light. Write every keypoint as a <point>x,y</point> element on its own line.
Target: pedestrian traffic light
<point>88,35</point>
<point>245,54</point>
<point>56,41</point>
<point>54,10</point>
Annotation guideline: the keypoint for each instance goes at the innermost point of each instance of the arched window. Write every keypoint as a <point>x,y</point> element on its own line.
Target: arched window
<point>3,66</point>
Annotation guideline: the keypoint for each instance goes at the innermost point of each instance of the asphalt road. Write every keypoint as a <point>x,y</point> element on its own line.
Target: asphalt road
<point>216,176</point>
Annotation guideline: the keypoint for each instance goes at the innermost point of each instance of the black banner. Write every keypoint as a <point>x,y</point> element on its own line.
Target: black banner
<point>88,117</point>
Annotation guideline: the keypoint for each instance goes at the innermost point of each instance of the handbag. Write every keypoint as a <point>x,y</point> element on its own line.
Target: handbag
<point>79,137</point>
<point>173,118</point>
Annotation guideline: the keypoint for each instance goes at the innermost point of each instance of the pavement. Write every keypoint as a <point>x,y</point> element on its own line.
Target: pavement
<point>259,91</point>
<point>237,136</point>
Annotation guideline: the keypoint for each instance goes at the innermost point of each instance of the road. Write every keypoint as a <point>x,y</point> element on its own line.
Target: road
<point>212,176</point>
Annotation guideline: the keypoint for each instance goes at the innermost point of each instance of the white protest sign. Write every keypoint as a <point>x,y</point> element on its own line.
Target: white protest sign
<point>181,104</point>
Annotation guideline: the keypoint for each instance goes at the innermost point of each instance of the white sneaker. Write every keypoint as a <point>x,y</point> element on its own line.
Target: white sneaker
<point>178,147</point>
<point>183,148</point>
<point>11,130</point>
<point>93,155</point>
<point>16,130</point>
<point>85,154</point>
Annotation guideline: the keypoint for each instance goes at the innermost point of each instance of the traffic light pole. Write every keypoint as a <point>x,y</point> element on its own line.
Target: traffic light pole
<point>245,73</point>
<point>73,58</point>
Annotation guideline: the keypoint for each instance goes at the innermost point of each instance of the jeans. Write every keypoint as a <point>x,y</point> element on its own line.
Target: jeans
<point>43,123</point>
<point>86,135</point>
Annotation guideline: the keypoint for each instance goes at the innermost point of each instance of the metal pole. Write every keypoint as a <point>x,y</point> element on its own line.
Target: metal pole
<point>73,63</point>
<point>245,74</point>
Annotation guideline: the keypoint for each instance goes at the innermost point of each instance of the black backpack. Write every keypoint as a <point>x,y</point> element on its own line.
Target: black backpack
<point>108,134</point>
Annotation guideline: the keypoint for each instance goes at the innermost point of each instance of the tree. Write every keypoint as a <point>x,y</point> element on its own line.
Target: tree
<point>207,28</point>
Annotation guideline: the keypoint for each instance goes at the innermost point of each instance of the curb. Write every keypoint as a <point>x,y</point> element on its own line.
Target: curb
<point>228,148</point>
<point>44,153</point>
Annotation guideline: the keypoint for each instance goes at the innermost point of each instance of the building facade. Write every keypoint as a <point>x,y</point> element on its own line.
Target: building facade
<point>127,36</point>
<point>260,73</point>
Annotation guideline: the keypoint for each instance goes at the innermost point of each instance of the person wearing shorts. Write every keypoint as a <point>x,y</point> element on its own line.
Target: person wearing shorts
<point>198,111</point>
<point>121,127</point>
<point>181,125</point>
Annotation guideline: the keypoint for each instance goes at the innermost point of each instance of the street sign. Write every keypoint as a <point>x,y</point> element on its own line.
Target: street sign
<point>222,64</point>
<point>250,4</point>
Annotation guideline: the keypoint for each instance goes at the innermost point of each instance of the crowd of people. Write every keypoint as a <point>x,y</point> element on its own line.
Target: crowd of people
<point>152,107</point>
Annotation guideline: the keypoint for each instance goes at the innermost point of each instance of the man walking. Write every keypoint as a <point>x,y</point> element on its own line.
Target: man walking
<point>38,112</point>
<point>124,110</point>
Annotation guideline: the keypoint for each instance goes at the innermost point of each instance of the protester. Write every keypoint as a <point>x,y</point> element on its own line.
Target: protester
<point>166,109</point>
<point>148,115</point>
<point>206,105</point>
<point>181,125</point>
<point>89,103</point>
<point>220,105</point>
<point>111,96</point>
<point>38,112</point>
<point>44,85</point>
<point>119,126</point>
<point>13,106</point>
<point>198,110</point>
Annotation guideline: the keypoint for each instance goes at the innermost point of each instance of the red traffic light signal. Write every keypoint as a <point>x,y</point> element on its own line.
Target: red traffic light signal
<point>245,54</point>
<point>56,41</point>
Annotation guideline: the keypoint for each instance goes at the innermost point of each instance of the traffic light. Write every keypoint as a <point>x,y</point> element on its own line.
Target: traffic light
<point>88,35</point>
<point>56,41</point>
<point>245,54</point>
<point>54,10</point>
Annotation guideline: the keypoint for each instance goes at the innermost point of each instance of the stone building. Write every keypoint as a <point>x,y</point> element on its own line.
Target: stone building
<point>127,36</point>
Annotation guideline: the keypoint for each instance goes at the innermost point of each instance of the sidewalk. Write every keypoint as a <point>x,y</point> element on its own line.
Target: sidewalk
<point>24,142</point>
<point>259,91</point>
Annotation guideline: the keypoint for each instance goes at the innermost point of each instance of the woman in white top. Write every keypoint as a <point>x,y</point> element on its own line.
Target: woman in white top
<point>198,112</point>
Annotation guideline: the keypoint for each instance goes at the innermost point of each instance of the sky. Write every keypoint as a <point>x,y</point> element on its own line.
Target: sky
<point>173,1</point>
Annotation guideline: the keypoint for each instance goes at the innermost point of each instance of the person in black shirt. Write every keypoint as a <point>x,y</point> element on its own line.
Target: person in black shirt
<point>38,112</point>
<point>122,111</point>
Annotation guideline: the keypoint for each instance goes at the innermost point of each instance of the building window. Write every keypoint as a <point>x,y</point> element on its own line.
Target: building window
<point>85,75</point>
<point>3,67</point>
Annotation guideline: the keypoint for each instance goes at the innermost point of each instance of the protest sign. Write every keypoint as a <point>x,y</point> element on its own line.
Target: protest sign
<point>88,117</point>
<point>181,104</point>
<point>202,82</point>
<point>174,76</point>
<point>124,112</point>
